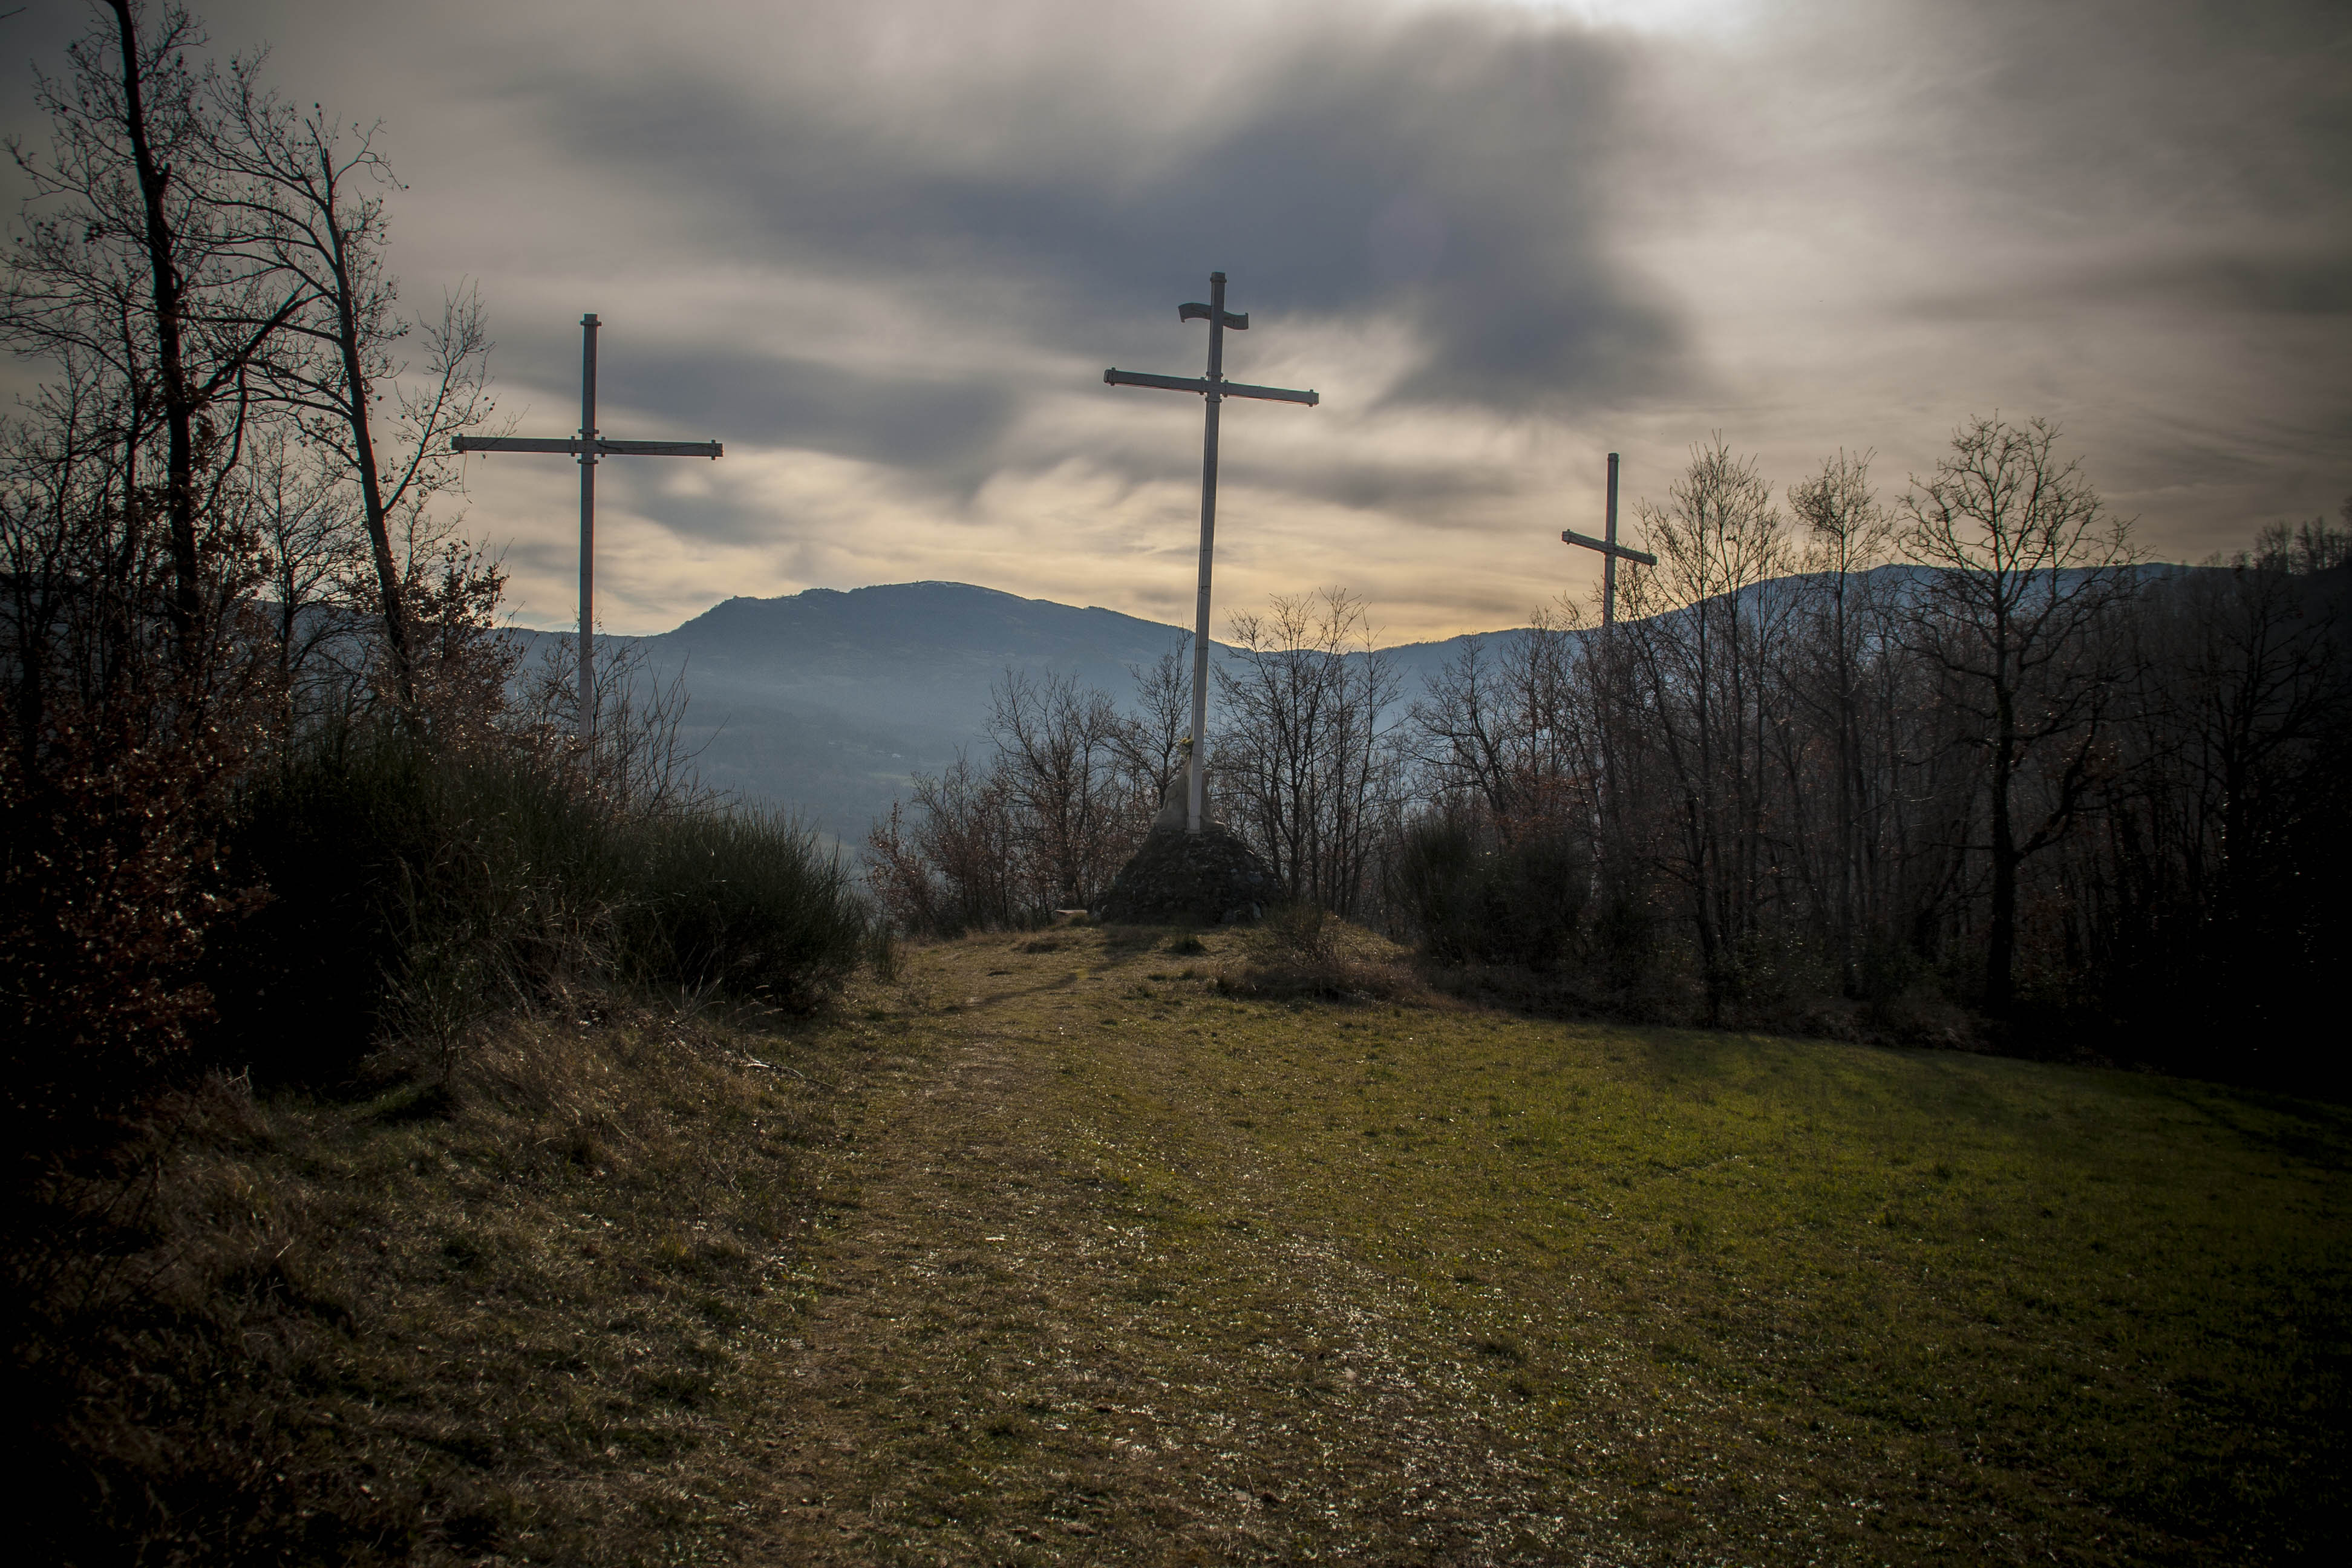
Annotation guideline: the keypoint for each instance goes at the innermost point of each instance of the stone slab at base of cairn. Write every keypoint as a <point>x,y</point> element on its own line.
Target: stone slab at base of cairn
<point>1208,877</point>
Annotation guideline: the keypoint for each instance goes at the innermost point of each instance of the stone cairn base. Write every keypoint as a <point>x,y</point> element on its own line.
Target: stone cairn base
<point>1208,877</point>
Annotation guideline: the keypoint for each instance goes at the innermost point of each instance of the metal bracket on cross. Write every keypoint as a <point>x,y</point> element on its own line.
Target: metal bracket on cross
<point>587,447</point>
<point>1214,389</point>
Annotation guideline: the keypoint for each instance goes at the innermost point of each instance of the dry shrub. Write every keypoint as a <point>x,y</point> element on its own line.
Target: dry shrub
<point>488,1315</point>
<point>422,894</point>
<point>1302,951</point>
<point>110,879</point>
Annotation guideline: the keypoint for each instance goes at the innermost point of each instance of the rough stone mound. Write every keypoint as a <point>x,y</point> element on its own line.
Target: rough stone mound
<point>1208,878</point>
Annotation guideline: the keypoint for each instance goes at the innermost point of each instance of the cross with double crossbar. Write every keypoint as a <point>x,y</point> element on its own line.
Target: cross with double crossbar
<point>587,446</point>
<point>1611,552</point>
<point>1215,389</point>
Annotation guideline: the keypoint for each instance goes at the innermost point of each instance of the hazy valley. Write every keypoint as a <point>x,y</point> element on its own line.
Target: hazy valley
<point>824,702</point>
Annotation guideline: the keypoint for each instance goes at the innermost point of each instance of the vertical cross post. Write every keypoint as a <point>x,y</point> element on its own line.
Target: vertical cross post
<point>1610,551</point>
<point>1608,560</point>
<point>1215,389</point>
<point>587,724</point>
<point>1196,788</point>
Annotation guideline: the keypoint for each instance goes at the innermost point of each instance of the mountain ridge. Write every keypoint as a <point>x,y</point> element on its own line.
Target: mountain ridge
<point>827,701</point>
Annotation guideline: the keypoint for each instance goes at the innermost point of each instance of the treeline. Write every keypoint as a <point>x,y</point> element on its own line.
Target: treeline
<point>270,781</point>
<point>1960,765</point>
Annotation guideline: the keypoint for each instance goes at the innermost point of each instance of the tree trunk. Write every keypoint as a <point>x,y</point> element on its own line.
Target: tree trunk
<point>2001,946</point>
<point>371,505</point>
<point>186,605</point>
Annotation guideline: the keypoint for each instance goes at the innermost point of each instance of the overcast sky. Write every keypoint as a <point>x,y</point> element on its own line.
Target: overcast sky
<point>884,250</point>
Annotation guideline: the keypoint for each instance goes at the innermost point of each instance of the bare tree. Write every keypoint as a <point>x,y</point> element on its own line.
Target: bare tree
<point>1466,731</point>
<point>1046,823</point>
<point>957,864</point>
<point>639,762</point>
<point>300,516</point>
<point>1059,752</point>
<point>1848,533</point>
<point>1503,724</point>
<point>1150,739</point>
<point>2028,568</point>
<point>1701,657</point>
<point>135,259</point>
<point>81,577</point>
<point>1309,761</point>
<point>312,194</point>
<point>2244,667</point>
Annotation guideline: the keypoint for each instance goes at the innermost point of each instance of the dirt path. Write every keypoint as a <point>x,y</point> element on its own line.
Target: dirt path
<point>1064,1322</point>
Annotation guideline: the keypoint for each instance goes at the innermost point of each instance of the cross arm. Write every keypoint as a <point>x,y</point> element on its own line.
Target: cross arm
<point>661,449</point>
<point>1116,377</point>
<point>1568,536</point>
<point>569,445</point>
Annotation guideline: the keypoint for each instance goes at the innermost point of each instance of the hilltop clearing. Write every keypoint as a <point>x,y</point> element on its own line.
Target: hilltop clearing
<point>1058,1250</point>
<point>1144,1272</point>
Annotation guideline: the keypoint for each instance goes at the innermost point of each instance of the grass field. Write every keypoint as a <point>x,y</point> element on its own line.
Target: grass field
<point>1055,1251</point>
<point>1389,1282</point>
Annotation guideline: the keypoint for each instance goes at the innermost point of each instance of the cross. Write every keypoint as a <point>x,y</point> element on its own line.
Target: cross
<point>1610,551</point>
<point>1215,389</point>
<point>587,446</point>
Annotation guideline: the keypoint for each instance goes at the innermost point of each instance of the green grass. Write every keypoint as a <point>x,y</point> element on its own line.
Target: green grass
<point>1112,1246</point>
<point>1923,1289</point>
<point>1770,1300</point>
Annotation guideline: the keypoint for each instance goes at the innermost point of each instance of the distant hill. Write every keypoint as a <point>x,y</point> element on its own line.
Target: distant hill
<point>827,701</point>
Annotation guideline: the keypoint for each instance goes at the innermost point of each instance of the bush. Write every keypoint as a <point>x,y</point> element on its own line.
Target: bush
<point>111,883</point>
<point>1301,950</point>
<point>1472,897</point>
<point>736,900</point>
<point>1623,949</point>
<point>417,891</point>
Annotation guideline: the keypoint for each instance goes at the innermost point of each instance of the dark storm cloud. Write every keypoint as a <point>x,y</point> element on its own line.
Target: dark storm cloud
<point>2271,285</point>
<point>1422,487</point>
<point>947,429</point>
<point>2249,281</point>
<point>639,486</point>
<point>2193,156</point>
<point>1453,170</point>
<point>782,399</point>
<point>2188,108</point>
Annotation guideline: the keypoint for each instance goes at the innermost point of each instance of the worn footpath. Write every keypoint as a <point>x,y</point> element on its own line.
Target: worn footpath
<point>1039,1338</point>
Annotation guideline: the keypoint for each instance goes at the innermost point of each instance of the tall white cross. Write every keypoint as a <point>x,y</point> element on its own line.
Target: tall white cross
<point>587,446</point>
<point>1215,388</point>
<point>1611,552</point>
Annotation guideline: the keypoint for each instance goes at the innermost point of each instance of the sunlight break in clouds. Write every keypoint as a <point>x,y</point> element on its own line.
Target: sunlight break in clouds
<point>1712,18</point>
